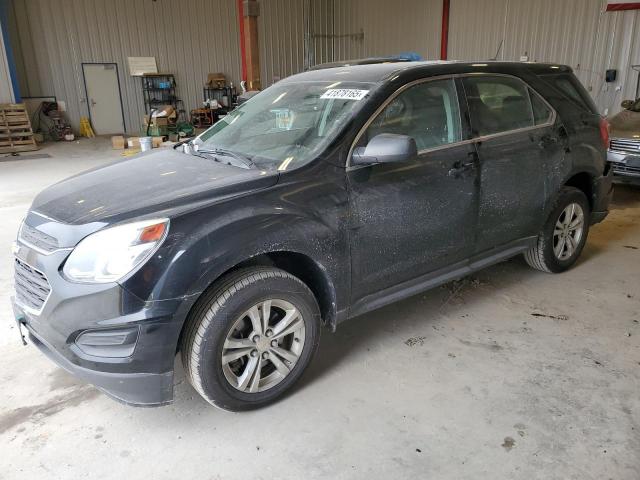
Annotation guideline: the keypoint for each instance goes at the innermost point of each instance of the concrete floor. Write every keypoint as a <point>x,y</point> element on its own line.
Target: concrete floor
<point>509,374</point>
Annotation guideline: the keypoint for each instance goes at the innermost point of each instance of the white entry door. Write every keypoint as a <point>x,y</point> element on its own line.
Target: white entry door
<point>103,97</point>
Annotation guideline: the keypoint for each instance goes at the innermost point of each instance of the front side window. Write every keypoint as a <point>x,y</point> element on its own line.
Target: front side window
<point>428,112</point>
<point>497,104</point>
<point>288,124</point>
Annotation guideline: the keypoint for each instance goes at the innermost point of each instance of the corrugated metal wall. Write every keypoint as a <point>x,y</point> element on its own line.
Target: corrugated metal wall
<point>322,25</point>
<point>190,39</point>
<point>617,47</point>
<point>389,27</point>
<point>6,89</point>
<point>341,30</point>
<point>574,32</point>
<point>281,34</point>
<point>363,28</point>
<point>56,36</point>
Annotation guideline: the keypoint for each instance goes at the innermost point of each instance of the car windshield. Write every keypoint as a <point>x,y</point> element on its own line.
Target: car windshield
<point>288,124</point>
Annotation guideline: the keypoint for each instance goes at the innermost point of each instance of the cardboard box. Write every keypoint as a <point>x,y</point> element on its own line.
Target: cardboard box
<point>216,80</point>
<point>133,142</point>
<point>165,111</point>
<point>156,121</point>
<point>117,142</point>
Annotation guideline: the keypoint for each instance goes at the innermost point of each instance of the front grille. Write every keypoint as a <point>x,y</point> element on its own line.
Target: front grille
<point>32,287</point>
<point>38,239</point>
<point>626,145</point>
<point>623,169</point>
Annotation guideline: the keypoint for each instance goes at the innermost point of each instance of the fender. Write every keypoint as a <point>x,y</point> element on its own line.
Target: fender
<point>203,244</point>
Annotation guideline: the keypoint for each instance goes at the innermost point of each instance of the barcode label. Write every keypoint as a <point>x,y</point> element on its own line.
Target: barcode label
<point>345,94</point>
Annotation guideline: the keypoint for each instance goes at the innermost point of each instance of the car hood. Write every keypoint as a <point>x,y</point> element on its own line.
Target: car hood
<point>151,183</point>
<point>625,124</point>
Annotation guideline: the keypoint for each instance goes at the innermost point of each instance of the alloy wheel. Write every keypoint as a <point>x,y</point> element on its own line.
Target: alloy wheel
<point>568,231</point>
<point>263,346</point>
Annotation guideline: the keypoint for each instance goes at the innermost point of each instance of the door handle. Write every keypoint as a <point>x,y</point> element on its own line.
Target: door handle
<point>547,140</point>
<point>462,166</point>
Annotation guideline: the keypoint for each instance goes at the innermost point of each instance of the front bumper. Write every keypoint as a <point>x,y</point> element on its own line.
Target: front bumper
<point>80,328</point>
<point>626,166</point>
<point>137,389</point>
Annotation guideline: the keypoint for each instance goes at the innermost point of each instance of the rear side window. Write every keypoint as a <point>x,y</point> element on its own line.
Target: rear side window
<point>570,87</point>
<point>501,104</point>
<point>428,112</point>
<point>541,112</point>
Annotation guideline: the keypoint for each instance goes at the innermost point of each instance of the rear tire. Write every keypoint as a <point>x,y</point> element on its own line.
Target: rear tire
<point>564,234</point>
<point>250,338</point>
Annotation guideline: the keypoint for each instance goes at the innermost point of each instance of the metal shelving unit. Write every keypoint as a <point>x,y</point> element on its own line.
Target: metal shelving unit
<point>160,89</point>
<point>218,93</point>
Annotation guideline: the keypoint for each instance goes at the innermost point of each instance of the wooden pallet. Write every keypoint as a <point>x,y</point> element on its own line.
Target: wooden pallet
<point>16,134</point>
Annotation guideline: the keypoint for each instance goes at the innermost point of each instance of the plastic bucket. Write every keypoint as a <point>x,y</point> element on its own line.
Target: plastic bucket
<point>146,144</point>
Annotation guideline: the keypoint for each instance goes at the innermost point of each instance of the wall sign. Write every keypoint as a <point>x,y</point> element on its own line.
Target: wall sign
<point>138,66</point>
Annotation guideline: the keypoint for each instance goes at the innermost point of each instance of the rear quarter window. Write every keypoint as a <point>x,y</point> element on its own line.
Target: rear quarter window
<point>569,86</point>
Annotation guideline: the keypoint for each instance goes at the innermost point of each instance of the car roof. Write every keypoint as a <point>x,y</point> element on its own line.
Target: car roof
<point>381,72</point>
<point>360,61</point>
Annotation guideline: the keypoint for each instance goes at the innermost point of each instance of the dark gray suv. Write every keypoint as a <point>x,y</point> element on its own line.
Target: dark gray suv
<point>329,194</point>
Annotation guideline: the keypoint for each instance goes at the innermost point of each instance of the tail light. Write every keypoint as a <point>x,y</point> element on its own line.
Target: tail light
<point>604,132</point>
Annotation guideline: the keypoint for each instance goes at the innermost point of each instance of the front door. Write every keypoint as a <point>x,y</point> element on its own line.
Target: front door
<point>408,219</point>
<point>515,145</point>
<point>103,97</point>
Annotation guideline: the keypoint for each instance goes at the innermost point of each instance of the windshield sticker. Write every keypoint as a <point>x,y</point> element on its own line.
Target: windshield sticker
<point>284,118</point>
<point>345,94</point>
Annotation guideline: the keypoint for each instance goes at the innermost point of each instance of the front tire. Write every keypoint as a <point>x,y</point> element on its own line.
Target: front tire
<point>564,234</point>
<point>250,338</point>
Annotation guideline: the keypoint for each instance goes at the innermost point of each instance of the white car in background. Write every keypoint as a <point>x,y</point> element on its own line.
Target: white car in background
<point>624,149</point>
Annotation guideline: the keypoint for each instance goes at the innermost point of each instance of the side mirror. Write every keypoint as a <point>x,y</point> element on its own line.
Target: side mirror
<point>627,104</point>
<point>386,148</point>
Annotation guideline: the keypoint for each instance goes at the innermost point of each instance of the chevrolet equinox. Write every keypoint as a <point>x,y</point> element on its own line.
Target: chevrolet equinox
<point>329,194</point>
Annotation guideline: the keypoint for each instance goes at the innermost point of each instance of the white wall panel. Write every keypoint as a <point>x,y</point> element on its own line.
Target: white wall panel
<point>57,36</point>
<point>389,28</point>
<point>578,33</point>
<point>476,29</point>
<point>281,34</point>
<point>6,89</point>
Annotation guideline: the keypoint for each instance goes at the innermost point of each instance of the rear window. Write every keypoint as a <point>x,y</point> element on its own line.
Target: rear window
<point>571,88</point>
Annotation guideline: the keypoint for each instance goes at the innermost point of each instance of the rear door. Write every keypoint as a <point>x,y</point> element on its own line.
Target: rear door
<point>411,218</point>
<point>516,144</point>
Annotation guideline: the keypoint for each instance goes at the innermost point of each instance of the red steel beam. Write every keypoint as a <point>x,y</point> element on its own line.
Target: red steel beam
<point>243,47</point>
<point>444,39</point>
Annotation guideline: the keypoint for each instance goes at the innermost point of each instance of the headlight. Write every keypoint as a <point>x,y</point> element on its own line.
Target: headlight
<point>110,254</point>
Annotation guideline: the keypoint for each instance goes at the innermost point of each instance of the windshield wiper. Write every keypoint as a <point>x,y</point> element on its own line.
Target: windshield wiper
<point>243,159</point>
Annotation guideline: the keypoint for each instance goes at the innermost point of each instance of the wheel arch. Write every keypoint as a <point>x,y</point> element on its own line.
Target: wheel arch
<point>585,182</point>
<point>298,264</point>
<point>307,269</point>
